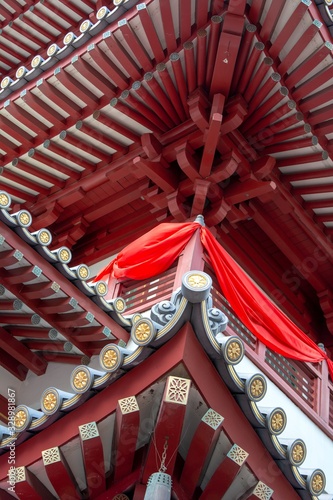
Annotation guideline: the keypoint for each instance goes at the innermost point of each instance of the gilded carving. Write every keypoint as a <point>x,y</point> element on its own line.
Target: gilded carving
<point>20,419</point>
<point>237,454</point>
<point>262,491</point>
<point>177,390</point>
<point>128,405</point>
<point>212,418</point>
<point>88,431</point>
<point>197,280</point>
<point>51,456</point>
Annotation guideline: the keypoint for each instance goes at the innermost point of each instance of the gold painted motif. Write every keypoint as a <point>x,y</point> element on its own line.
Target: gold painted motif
<point>142,332</point>
<point>297,453</point>
<point>197,280</point>
<point>257,387</point>
<point>83,272</point>
<point>4,199</point>
<point>24,218</point>
<point>44,236</point>
<point>20,419</point>
<point>64,254</point>
<point>120,305</point>
<point>277,421</point>
<point>50,401</point>
<point>80,379</point>
<point>234,350</point>
<point>317,483</point>
<point>110,358</point>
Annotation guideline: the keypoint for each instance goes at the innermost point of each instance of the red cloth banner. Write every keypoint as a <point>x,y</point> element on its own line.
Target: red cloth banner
<point>154,252</point>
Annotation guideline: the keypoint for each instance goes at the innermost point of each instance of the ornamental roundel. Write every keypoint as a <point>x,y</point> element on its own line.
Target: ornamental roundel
<point>82,271</point>
<point>44,237</point>
<point>120,305</point>
<point>143,332</point>
<point>4,199</point>
<point>64,254</point>
<point>24,218</point>
<point>277,421</point>
<point>101,288</point>
<point>316,482</point>
<point>110,358</point>
<point>233,350</point>
<point>297,452</point>
<point>256,387</point>
<point>21,418</point>
<point>196,286</point>
<point>50,401</point>
<point>81,379</point>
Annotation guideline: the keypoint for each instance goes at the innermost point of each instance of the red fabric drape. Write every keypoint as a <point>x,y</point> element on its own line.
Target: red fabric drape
<point>154,252</point>
<point>151,254</point>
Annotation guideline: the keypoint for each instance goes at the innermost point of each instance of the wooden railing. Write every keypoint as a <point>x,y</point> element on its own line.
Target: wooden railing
<point>306,384</point>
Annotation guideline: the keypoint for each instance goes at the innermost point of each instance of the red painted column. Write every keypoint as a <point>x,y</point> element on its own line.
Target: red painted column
<point>28,487</point>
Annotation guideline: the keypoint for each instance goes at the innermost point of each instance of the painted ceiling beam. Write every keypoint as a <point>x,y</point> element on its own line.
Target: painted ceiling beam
<point>213,42</point>
<point>150,31</point>
<point>11,365</point>
<point>21,353</point>
<point>28,486</point>
<point>140,53</point>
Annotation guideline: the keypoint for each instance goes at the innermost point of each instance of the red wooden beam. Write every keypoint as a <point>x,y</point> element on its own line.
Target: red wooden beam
<point>257,79</point>
<point>24,117</point>
<point>237,192</point>
<point>251,63</point>
<point>187,162</point>
<point>202,445</point>
<point>227,52</point>
<point>39,173</point>
<point>269,120</point>
<point>150,31</point>
<point>168,426</point>
<point>168,26</point>
<point>213,41</point>
<point>76,88</point>
<point>85,147</point>
<point>212,137</point>
<point>135,45</point>
<point>288,29</point>
<point>201,56</point>
<point>201,187</point>
<point>28,486</point>
<point>34,185</point>
<point>15,131</point>
<point>145,113</point>
<point>270,21</point>
<point>255,11</point>
<point>307,142</point>
<point>59,98</point>
<point>161,97</point>
<point>313,83</point>
<point>185,15</point>
<point>297,49</point>
<point>224,475</point>
<point>47,18</point>
<point>158,172</point>
<point>60,474</point>
<point>93,76</point>
<point>21,353</point>
<point>65,154</point>
<point>37,27</point>
<point>93,458</point>
<point>120,54</point>
<point>180,79</point>
<point>126,432</point>
<point>190,66</point>
<point>11,365</point>
<point>15,42</point>
<point>3,409</point>
<point>152,103</point>
<point>263,92</point>
<point>98,135</point>
<point>307,66</point>
<point>24,34</point>
<point>104,62</point>
<point>171,91</point>
<point>115,126</point>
